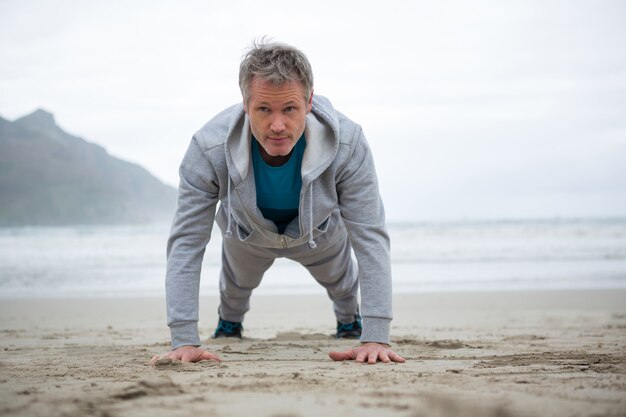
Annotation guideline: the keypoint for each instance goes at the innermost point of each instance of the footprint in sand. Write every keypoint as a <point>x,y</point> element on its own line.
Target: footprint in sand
<point>147,387</point>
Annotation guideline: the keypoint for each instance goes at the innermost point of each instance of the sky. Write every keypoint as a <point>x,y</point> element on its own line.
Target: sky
<point>477,109</point>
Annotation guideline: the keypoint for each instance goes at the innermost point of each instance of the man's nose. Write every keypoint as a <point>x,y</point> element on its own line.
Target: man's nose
<point>278,124</point>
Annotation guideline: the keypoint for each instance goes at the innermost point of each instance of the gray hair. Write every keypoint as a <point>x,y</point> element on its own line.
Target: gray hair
<point>277,63</point>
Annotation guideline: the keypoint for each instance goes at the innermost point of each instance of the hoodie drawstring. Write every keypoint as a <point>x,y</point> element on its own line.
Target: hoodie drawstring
<point>312,243</point>
<point>228,233</point>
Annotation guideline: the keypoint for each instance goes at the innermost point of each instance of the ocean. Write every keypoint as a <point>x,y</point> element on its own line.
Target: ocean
<point>128,261</point>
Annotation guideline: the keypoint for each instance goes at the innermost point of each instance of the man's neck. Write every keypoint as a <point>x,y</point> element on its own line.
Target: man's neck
<point>274,161</point>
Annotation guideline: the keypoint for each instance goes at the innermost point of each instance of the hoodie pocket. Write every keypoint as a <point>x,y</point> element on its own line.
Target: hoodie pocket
<point>323,226</point>
<point>242,234</point>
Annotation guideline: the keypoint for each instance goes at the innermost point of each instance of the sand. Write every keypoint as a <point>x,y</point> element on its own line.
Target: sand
<point>476,354</point>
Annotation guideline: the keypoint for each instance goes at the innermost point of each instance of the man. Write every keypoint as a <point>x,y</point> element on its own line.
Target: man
<point>295,179</point>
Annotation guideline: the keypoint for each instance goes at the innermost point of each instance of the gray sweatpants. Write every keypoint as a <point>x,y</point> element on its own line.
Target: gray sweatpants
<point>331,264</point>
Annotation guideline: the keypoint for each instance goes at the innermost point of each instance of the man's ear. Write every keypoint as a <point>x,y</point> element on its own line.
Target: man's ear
<point>309,105</point>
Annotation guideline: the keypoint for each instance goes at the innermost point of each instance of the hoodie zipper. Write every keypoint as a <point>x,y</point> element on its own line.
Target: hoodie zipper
<point>281,238</point>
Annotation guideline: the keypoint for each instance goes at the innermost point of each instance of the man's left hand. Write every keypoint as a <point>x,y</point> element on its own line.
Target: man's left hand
<point>368,352</point>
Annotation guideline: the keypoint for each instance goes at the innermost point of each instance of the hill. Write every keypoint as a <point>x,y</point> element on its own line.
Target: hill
<point>50,177</point>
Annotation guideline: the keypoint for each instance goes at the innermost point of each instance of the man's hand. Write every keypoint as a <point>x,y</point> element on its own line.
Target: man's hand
<point>187,354</point>
<point>370,352</point>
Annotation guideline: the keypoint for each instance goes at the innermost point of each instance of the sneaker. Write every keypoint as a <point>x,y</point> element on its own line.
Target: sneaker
<point>349,330</point>
<point>228,329</point>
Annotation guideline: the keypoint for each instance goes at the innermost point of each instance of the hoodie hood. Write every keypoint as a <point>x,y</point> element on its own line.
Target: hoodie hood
<point>321,133</point>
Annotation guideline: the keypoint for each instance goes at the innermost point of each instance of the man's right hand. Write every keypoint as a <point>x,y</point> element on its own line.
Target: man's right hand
<point>187,354</point>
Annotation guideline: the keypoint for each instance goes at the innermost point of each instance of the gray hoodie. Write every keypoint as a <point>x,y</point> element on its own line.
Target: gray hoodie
<point>339,189</point>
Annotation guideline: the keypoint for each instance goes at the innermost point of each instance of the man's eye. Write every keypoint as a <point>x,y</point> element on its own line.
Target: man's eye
<point>264,109</point>
<point>289,109</point>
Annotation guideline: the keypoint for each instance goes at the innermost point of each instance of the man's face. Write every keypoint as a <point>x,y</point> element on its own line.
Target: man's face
<point>277,115</point>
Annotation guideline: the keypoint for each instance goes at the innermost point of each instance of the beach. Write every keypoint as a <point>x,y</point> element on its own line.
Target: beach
<point>516,353</point>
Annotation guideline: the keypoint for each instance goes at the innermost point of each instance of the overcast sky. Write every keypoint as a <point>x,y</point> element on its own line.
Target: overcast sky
<point>473,109</point>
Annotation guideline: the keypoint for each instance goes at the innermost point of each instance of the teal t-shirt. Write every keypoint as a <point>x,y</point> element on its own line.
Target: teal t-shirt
<point>278,188</point>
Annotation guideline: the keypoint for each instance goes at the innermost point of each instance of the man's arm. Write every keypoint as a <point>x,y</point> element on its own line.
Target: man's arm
<point>363,213</point>
<point>198,195</point>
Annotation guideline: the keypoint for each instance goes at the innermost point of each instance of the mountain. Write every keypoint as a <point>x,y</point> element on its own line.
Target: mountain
<point>49,177</point>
